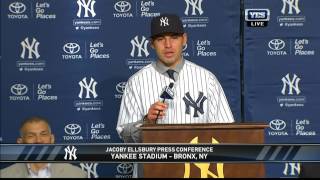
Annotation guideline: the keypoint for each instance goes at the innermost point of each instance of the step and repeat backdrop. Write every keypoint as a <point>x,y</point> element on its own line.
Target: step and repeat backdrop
<point>281,72</point>
<point>69,61</point>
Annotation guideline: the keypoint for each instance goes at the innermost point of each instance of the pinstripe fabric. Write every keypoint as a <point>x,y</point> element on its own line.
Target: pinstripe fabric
<point>145,87</point>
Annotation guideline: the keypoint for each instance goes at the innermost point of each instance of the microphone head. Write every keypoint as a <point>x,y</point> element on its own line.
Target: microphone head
<point>167,92</point>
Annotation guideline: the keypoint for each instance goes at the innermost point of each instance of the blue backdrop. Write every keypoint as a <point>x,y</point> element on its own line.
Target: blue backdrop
<point>69,61</point>
<point>281,76</point>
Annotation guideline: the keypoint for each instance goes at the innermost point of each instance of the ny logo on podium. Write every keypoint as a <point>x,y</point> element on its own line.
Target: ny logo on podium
<point>204,167</point>
<point>292,169</point>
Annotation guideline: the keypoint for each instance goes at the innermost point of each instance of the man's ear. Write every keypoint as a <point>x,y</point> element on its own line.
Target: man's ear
<point>151,44</point>
<point>185,38</point>
<point>52,139</point>
<point>19,141</point>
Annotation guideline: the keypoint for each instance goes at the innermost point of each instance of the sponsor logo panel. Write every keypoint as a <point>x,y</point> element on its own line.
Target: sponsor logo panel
<point>87,18</point>
<point>291,14</point>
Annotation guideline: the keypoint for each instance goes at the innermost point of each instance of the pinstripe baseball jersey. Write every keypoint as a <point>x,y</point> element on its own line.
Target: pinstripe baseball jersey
<point>198,96</point>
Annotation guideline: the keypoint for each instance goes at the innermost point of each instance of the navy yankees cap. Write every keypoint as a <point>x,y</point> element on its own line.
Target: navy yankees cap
<point>166,23</point>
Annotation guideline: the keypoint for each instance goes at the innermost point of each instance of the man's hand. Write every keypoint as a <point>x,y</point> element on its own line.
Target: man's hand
<point>154,110</point>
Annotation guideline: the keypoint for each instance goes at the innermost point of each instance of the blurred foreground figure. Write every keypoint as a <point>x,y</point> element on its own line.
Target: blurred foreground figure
<point>36,130</point>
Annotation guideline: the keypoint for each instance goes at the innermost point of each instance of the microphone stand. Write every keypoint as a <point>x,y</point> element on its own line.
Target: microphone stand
<point>159,112</point>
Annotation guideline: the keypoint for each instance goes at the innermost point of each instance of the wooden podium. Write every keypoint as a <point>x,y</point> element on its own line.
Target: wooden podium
<point>246,133</point>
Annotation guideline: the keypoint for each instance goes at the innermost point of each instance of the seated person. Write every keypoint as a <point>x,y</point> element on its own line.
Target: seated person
<point>36,130</point>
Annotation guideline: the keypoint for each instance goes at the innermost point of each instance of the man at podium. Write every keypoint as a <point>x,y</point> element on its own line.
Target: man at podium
<point>171,90</point>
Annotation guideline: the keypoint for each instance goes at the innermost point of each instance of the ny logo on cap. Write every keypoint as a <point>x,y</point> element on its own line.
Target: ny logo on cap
<point>164,21</point>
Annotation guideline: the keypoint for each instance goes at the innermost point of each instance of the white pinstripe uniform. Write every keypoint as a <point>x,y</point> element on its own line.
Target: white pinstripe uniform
<point>145,87</point>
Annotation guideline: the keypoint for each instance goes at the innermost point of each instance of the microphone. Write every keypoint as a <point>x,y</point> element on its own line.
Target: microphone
<point>166,94</point>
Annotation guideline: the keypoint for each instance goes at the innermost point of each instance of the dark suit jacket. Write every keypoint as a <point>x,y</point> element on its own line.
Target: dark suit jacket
<point>310,170</point>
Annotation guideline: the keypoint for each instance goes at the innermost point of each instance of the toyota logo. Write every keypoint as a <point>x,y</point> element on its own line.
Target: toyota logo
<point>17,8</point>
<point>125,168</point>
<point>72,129</point>
<point>277,124</point>
<point>121,87</point>
<point>71,48</point>
<point>19,89</point>
<point>122,6</point>
<point>276,44</point>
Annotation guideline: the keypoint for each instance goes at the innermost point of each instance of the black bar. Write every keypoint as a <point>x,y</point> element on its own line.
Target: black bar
<point>119,152</point>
